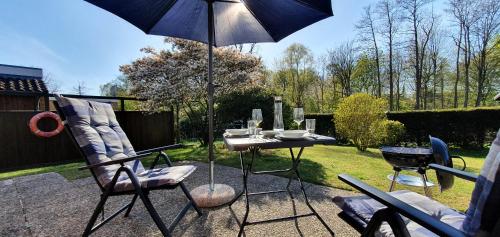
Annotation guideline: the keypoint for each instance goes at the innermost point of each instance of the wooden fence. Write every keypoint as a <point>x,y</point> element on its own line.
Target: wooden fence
<point>20,148</point>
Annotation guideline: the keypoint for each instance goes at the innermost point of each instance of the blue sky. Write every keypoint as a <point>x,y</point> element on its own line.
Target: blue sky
<point>75,41</point>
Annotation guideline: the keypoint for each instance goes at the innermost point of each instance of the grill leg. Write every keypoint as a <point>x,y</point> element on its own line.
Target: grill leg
<point>393,182</point>
<point>426,188</point>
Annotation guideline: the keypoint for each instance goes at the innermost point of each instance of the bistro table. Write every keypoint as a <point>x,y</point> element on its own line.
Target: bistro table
<point>242,144</point>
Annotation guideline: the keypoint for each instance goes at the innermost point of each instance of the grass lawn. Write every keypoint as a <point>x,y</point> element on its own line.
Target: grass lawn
<point>320,165</point>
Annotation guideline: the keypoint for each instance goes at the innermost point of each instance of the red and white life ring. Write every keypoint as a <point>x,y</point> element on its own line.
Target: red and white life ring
<point>33,124</point>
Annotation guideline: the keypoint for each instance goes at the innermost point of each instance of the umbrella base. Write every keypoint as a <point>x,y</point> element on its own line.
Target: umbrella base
<point>220,195</point>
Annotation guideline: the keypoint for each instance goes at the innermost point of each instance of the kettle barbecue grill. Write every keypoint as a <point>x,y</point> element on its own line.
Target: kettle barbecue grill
<point>418,160</point>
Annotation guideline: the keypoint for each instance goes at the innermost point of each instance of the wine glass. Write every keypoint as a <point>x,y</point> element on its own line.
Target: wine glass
<point>298,116</point>
<point>257,116</point>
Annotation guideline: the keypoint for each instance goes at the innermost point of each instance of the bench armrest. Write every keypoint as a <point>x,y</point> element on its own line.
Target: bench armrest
<point>117,161</point>
<point>423,219</point>
<point>458,173</point>
<point>169,147</point>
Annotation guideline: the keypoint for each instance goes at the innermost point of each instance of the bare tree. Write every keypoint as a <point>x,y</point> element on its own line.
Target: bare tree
<point>388,11</point>
<point>366,27</point>
<point>456,10</point>
<point>241,47</point>
<point>323,74</point>
<point>414,15</point>
<point>341,65</point>
<point>465,13</point>
<point>398,71</point>
<point>52,85</point>
<point>436,62</point>
<point>80,88</point>
<point>486,28</point>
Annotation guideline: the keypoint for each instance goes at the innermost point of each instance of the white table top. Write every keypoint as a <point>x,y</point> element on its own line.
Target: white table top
<point>243,143</point>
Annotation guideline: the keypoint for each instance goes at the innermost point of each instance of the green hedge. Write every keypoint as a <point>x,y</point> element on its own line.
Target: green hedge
<point>324,124</point>
<point>467,128</point>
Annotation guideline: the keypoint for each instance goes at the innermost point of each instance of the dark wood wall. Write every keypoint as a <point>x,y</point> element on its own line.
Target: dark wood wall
<point>8,102</point>
<point>20,148</point>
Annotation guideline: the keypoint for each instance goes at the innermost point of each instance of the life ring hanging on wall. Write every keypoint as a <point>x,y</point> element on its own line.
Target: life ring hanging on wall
<point>33,124</point>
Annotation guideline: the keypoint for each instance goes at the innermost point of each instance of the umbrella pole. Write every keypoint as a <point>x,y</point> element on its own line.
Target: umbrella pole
<point>211,195</point>
<point>211,157</point>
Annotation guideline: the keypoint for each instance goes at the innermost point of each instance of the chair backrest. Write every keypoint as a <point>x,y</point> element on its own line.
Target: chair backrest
<point>484,207</point>
<point>442,157</point>
<point>99,136</point>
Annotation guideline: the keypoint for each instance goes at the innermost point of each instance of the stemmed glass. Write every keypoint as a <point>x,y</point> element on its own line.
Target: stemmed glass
<point>298,116</point>
<point>257,116</point>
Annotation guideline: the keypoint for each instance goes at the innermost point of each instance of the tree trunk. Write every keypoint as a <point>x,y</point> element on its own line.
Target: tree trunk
<point>418,77</point>
<point>467,57</point>
<point>391,74</point>
<point>481,74</point>
<point>377,61</point>
<point>442,91</point>
<point>457,64</point>
<point>434,80</point>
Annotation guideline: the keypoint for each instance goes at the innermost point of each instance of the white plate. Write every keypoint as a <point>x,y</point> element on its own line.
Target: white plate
<point>293,138</point>
<point>269,133</point>
<point>236,132</point>
<point>293,133</point>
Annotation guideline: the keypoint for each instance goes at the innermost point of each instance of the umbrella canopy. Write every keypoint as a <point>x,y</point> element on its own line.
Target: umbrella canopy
<point>235,21</point>
<point>218,23</point>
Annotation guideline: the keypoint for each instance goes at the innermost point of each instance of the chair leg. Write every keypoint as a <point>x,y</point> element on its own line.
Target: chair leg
<point>94,216</point>
<point>152,211</point>
<point>131,204</point>
<point>188,195</point>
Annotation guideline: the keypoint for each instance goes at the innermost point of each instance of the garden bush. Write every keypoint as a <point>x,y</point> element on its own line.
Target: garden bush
<point>361,119</point>
<point>393,132</point>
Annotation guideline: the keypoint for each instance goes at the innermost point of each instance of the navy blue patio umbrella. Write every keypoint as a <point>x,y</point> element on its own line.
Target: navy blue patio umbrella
<point>219,23</point>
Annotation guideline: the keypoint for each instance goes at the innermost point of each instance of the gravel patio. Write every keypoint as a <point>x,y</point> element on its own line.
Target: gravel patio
<point>50,205</point>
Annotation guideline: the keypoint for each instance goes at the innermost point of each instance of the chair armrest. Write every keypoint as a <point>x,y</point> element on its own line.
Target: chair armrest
<point>169,147</point>
<point>117,161</point>
<point>458,173</point>
<point>423,219</point>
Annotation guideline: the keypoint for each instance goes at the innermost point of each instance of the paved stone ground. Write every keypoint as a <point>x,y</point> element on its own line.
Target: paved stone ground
<point>50,205</point>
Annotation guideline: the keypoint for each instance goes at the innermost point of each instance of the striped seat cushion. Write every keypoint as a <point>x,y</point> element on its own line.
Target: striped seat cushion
<point>361,209</point>
<point>157,177</point>
<point>484,207</point>
<point>99,136</point>
<point>101,139</point>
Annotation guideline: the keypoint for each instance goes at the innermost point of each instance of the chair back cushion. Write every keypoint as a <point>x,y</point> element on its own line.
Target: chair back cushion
<point>100,137</point>
<point>442,157</point>
<point>484,207</point>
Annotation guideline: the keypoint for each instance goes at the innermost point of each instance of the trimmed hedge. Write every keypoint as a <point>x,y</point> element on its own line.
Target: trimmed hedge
<point>467,128</point>
<point>324,124</point>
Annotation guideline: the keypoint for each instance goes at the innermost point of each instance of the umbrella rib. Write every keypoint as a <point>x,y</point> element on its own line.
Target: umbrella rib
<point>301,2</point>
<point>257,19</point>
<point>164,11</point>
